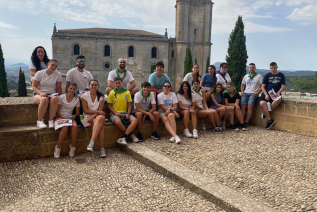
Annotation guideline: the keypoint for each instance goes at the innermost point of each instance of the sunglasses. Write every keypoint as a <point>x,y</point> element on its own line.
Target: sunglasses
<point>224,67</point>
<point>166,86</point>
<point>80,61</point>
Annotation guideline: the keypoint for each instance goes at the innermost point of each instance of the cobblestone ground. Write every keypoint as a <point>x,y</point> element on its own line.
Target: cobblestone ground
<point>277,168</point>
<point>116,183</point>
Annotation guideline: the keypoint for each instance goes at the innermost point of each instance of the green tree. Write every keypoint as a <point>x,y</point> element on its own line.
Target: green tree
<point>21,84</point>
<point>207,64</point>
<point>188,63</point>
<point>3,77</point>
<point>152,70</point>
<point>237,54</point>
<point>303,84</point>
<point>196,61</point>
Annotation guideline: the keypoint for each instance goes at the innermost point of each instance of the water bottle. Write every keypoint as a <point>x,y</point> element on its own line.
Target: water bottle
<point>204,127</point>
<point>269,106</point>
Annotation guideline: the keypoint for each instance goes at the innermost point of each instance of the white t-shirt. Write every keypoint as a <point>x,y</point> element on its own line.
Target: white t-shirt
<point>167,100</point>
<point>90,104</point>
<point>67,108</point>
<point>199,98</point>
<point>222,81</point>
<point>47,83</point>
<point>145,102</point>
<point>189,78</point>
<point>128,77</point>
<point>185,103</point>
<point>80,78</point>
<point>32,66</point>
<point>252,85</point>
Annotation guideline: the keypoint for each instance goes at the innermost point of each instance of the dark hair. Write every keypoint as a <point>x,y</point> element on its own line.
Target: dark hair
<point>73,84</point>
<point>213,91</point>
<point>181,91</point>
<point>273,64</point>
<point>197,76</point>
<point>36,61</point>
<point>159,63</point>
<point>214,76</point>
<point>80,57</point>
<point>53,60</point>
<point>99,94</point>
<point>222,64</point>
<point>117,78</point>
<point>196,80</point>
<point>251,64</point>
<point>167,82</point>
<point>145,84</point>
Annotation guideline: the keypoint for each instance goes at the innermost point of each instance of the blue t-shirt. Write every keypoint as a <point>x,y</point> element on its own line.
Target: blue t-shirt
<point>157,82</point>
<point>209,80</point>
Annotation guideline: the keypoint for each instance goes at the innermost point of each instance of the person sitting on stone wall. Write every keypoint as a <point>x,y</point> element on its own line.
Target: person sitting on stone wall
<point>273,80</point>
<point>208,82</point>
<point>250,95</point>
<point>193,75</point>
<point>93,102</point>
<point>158,78</point>
<point>125,75</point>
<point>66,104</point>
<point>222,76</point>
<point>79,75</point>
<point>45,83</point>
<point>145,109</point>
<point>120,106</point>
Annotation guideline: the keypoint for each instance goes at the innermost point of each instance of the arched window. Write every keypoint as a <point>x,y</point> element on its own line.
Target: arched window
<point>172,54</point>
<point>107,51</point>
<point>154,52</point>
<point>76,50</point>
<point>131,51</point>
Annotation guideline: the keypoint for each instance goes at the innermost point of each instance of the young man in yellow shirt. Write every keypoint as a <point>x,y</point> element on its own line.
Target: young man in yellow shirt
<point>120,106</point>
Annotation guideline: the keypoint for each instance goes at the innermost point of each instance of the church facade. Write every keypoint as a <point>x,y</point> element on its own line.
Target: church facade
<point>102,47</point>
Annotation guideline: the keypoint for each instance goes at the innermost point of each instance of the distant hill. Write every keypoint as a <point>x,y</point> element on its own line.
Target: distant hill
<point>13,71</point>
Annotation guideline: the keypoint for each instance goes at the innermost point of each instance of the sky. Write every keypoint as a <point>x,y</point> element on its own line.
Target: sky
<point>283,31</point>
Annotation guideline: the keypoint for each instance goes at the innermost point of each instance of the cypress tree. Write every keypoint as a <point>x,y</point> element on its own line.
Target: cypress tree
<point>207,64</point>
<point>21,84</point>
<point>152,70</point>
<point>188,63</point>
<point>3,77</point>
<point>237,54</point>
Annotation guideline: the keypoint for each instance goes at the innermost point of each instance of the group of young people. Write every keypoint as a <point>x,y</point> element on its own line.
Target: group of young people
<point>212,96</point>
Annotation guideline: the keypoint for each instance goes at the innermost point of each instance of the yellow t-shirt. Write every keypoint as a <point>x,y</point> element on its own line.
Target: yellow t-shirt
<point>120,102</point>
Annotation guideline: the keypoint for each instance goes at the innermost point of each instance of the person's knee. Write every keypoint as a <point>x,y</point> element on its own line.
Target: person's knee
<point>54,99</point>
<point>100,119</point>
<point>44,100</point>
<point>138,115</point>
<point>133,121</point>
<point>156,114</point>
<point>186,113</point>
<point>171,115</point>
<point>250,107</point>
<point>263,103</point>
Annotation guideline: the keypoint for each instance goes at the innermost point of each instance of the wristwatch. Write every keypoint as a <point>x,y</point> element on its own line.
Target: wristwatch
<point>171,109</point>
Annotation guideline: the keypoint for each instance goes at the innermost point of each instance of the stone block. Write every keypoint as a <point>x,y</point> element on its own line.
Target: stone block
<point>300,120</point>
<point>311,111</point>
<point>302,108</point>
<point>290,107</point>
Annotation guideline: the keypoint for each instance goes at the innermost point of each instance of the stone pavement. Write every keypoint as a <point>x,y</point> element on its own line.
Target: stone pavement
<point>276,168</point>
<point>116,183</point>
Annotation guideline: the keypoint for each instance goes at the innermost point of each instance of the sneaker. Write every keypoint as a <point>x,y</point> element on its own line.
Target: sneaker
<point>223,125</point>
<point>216,130</point>
<point>71,151</point>
<point>51,124</point>
<point>122,141</point>
<point>102,153</point>
<point>172,139</point>
<point>234,127</point>
<point>140,137</point>
<point>243,127</point>
<point>220,130</point>
<point>90,146</point>
<point>263,116</point>
<point>134,138</point>
<point>41,124</point>
<point>187,133</point>
<point>245,124</point>
<point>177,139</point>
<point>195,133</point>
<point>155,136</point>
<point>269,124</point>
<point>57,152</point>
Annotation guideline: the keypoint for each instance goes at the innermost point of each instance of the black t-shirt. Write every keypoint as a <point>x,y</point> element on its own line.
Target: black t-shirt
<point>232,100</point>
<point>273,81</point>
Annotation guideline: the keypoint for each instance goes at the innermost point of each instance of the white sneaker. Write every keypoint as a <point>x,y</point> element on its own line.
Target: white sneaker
<point>51,124</point>
<point>71,151</point>
<point>223,125</point>
<point>177,139</point>
<point>187,133</point>
<point>57,152</point>
<point>41,124</point>
<point>90,146</point>
<point>195,133</point>
<point>122,141</point>
<point>134,138</point>
<point>102,153</point>
<point>172,139</point>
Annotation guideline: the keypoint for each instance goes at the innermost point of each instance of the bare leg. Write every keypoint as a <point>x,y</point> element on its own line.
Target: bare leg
<point>97,124</point>
<point>119,125</point>
<point>232,117</point>
<point>171,119</point>
<point>62,136</point>
<point>53,107</point>
<point>243,107</point>
<point>185,115</point>
<point>221,111</point>
<point>74,134</point>
<point>139,117</point>
<point>216,117</point>
<point>238,114</point>
<point>275,103</point>
<point>134,90</point>
<point>132,125</point>
<point>265,110</point>
<point>156,115</point>
<point>202,114</point>
<point>101,136</point>
<point>207,94</point>
<point>249,114</point>
<point>168,125</point>
<point>194,119</point>
<point>108,89</point>
<point>42,102</point>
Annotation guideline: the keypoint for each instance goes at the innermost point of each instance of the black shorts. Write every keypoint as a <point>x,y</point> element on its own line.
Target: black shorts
<point>147,118</point>
<point>263,98</point>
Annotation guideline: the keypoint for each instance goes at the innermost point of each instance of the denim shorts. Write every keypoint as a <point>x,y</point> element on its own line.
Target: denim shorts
<point>113,117</point>
<point>249,99</point>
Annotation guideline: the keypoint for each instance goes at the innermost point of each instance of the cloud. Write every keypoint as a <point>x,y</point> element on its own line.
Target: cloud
<point>4,25</point>
<point>290,3</point>
<point>305,15</point>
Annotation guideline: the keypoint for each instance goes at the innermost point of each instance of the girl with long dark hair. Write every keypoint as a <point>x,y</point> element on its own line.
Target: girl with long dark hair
<point>208,82</point>
<point>193,75</point>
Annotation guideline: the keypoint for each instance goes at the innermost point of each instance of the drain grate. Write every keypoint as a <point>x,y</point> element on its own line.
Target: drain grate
<point>81,160</point>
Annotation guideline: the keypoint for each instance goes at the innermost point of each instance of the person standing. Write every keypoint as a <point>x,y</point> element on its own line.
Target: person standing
<point>222,76</point>
<point>208,82</point>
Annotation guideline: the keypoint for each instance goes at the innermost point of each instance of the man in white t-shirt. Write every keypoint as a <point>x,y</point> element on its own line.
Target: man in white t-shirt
<point>79,75</point>
<point>252,83</point>
<point>145,109</point>
<point>125,75</point>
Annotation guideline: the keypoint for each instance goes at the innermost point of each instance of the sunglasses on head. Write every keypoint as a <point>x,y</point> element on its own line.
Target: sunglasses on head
<point>166,86</point>
<point>80,61</point>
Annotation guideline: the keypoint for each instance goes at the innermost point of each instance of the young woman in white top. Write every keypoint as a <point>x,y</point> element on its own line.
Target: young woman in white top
<point>186,105</point>
<point>46,82</point>
<point>222,76</point>
<point>93,102</point>
<point>66,104</point>
<point>167,108</point>
<point>202,110</point>
<point>193,75</point>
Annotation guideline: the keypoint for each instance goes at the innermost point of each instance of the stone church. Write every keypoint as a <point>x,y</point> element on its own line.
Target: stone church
<point>102,47</point>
